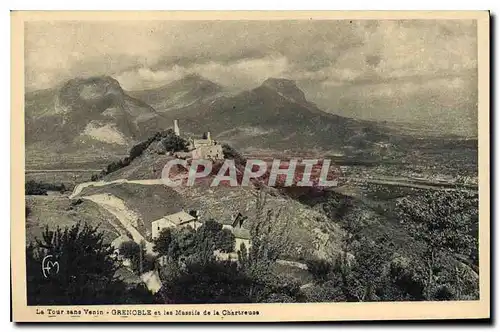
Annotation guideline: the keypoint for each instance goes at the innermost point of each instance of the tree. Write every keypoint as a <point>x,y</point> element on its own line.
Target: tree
<point>206,282</point>
<point>319,268</point>
<point>226,241</point>
<point>197,245</point>
<point>129,249</point>
<point>139,258</point>
<point>86,273</point>
<point>446,223</point>
<point>270,233</point>
<point>163,242</point>
<point>224,282</point>
<point>363,276</point>
<point>172,142</point>
<point>212,236</point>
<point>173,242</point>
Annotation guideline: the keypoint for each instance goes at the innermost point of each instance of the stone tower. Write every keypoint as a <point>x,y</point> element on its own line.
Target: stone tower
<point>176,128</point>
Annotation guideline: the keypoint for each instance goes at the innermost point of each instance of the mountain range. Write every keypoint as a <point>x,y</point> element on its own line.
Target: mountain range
<point>96,116</point>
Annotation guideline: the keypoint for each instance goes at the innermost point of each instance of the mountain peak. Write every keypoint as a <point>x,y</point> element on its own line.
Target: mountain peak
<point>187,91</point>
<point>91,90</point>
<point>285,88</point>
<point>93,80</point>
<point>195,78</point>
<point>194,81</point>
<point>279,81</point>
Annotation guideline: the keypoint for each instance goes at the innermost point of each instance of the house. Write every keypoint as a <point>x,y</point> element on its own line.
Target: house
<point>241,234</point>
<point>183,219</point>
<point>176,220</point>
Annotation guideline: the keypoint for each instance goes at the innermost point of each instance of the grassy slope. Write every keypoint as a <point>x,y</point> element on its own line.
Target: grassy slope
<point>151,202</point>
<point>57,211</point>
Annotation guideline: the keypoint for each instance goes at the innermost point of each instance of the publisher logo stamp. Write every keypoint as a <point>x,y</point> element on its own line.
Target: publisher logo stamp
<point>49,266</point>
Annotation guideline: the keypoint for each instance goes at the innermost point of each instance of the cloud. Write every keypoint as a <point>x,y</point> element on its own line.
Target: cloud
<point>348,67</point>
<point>242,74</point>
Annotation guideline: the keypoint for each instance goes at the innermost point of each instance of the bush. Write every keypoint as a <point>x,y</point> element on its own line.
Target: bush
<point>40,188</point>
<point>446,223</point>
<point>141,261</point>
<point>76,202</point>
<point>172,142</point>
<point>319,268</point>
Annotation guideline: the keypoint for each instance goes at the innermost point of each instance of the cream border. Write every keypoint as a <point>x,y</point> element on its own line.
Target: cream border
<point>268,312</point>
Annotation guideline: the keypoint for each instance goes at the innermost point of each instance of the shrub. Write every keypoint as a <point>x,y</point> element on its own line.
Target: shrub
<point>319,268</point>
<point>141,261</point>
<point>40,188</point>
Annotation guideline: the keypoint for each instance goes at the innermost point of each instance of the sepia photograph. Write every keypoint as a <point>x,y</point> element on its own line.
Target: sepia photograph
<point>210,166</point>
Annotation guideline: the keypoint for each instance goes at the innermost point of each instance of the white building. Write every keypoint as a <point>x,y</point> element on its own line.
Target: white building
<point>179,219</point>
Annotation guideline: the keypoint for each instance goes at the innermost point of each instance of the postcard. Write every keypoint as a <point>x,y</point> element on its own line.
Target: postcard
<point>258,166</point>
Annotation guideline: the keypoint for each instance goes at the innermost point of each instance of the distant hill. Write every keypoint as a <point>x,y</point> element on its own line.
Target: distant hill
<point>87,111</point>
<point>84,121</point>
<point>190,91</point>
<point>276,115</point>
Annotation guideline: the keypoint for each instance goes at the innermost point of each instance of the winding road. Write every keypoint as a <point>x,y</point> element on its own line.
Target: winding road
<point>127,217</point>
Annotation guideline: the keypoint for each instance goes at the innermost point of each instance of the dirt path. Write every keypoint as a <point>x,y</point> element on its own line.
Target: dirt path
<point>78,189</point>
<point>127,217</point>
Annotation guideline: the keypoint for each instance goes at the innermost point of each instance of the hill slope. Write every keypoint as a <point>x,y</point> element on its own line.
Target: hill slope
<point>190,91</point>
<point>276,115</point>
<point>90,107</point>
<point>86,117</point>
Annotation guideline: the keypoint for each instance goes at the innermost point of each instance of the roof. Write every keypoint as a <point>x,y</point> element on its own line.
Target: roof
<point>177,218</point>
<point>231,219</point>
<point>241,233</point>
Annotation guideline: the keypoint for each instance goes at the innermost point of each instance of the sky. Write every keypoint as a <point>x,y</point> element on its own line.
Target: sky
<point>421,71</point>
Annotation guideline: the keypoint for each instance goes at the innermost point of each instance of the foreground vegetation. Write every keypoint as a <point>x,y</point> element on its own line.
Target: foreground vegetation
<point>439,262</point>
